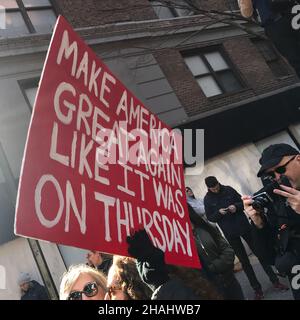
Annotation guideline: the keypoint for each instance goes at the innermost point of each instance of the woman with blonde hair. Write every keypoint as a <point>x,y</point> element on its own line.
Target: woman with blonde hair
<point>82,282</point>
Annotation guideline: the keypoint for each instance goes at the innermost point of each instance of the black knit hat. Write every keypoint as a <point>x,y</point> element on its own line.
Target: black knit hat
<point>273,154</point>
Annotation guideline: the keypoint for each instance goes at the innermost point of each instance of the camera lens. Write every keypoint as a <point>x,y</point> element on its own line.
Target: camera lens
<point>259,203</point>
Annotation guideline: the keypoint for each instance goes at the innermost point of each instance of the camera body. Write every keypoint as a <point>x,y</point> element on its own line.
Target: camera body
<point>261,200</point>
<point>265,196</point>
<point>286,250</point>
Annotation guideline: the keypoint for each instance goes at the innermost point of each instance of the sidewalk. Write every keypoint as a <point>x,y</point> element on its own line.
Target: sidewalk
<point>269,292</point>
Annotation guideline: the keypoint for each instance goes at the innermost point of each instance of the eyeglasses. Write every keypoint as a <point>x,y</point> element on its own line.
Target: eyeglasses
<point>280,170</point>
<point>90,290</point>
<point>113,289</point>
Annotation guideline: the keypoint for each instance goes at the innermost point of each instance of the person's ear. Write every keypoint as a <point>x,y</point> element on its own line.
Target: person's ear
<point>298,158</point>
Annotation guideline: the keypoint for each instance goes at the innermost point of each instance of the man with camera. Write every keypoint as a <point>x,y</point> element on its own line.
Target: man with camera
<point>275,211</point>
<point>276,18</point>
<point>224,206</point>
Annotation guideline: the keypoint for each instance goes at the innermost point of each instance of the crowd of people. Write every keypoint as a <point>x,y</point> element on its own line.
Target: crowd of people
<point>269,222</point>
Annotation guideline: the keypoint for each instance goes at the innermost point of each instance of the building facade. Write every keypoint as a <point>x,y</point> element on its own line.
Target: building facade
<point>196,64</point>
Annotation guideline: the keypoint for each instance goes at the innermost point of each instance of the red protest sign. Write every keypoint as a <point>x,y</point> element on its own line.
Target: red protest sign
<point>97,163</point>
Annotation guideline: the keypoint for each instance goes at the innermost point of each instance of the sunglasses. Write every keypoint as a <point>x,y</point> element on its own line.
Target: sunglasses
<point>112,290</point>
<point>90,290</point>
<point>280,170</point>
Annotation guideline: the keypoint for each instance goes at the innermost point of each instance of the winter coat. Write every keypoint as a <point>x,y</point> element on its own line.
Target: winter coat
<point>232,224</point>
<point>216,255</point>
<point>35,292</point>
<point>174,289</point>
<point>273,241</point>
<point>215,250</point>
<point>197,205</point>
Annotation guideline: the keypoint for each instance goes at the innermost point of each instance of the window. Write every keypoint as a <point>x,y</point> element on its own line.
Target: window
<point>168,10</point>
<point>8,186</point>
<point>232,5</point>
<point>212,73</point>
<point>14,120</point>
<point>278,67</point>
<point>29,89</point>
<point>28,16</point>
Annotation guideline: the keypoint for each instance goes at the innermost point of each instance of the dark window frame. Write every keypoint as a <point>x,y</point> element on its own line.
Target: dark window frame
<point>172,9</point>
<point>24,12</point>
<point>231,67</point>
<point>232,5</point>
<point>28,84</point>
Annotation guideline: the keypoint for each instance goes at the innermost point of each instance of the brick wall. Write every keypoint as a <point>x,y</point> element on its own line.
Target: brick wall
<point>84,13</point>
<point>219,5</point>
<point>249,65</point>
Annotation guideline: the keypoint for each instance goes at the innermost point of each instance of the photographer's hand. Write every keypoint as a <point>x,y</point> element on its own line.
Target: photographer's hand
<point>254,215</point>
<point>292,195</point>
<point>223,211</point>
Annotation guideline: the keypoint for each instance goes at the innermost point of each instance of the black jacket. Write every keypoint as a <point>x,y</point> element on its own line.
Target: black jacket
<point>214,250</point>
<point>174,289</point>
<point>35,292</point>
<point>272,240</point>
<point>232,224</point>
<point>215,253</point>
